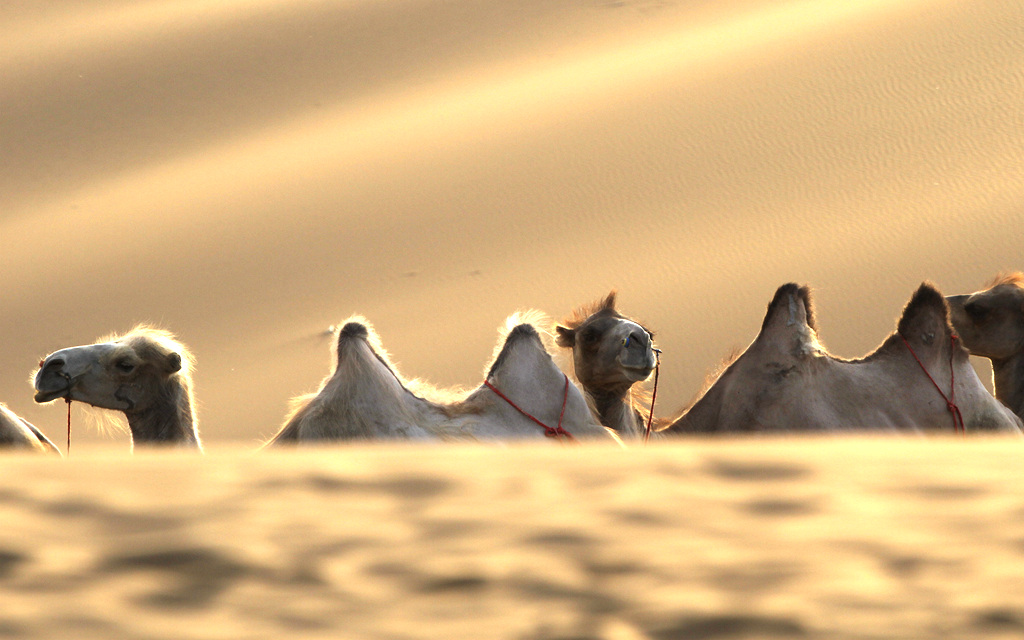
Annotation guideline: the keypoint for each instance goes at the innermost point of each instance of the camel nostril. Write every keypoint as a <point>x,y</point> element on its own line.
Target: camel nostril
<point>638,338</point>
<point>56,364</point>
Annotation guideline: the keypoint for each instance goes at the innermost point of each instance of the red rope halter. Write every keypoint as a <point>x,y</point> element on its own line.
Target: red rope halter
<point>958,417</point>
<point>67,399</point>
<point>551,432</point>
<point>654,395</point>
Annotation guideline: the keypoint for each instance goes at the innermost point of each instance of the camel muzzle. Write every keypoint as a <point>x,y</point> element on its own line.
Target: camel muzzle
<point>637,355</point>
<point>52,381</point>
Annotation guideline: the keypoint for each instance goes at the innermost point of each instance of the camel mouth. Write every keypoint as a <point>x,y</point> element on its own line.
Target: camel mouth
<point>52,382</point>
<point>637,371</point>
<point>636,364</point>
<point>47,396</point>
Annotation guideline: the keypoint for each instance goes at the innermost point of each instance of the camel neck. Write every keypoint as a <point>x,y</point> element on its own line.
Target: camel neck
<point>170,422</point>
<point>615,413</point>
<point>1008,379</point>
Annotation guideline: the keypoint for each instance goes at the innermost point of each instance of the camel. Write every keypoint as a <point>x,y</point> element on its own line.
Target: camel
<point>18,433</point>
<point>991,325</point>
<point>786,381</point>
<point>611,354</point>
<point>146,374</point>
<point>365,398</point>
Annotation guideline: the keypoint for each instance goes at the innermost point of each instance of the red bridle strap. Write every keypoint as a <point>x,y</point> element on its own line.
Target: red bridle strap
<point>958,418</point>
<point>67,399</point>
<point>551,432</point>
<point>654,396</point>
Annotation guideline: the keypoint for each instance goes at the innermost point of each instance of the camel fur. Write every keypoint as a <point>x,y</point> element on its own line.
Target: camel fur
<point>786,381</point>
<point>365,398</point>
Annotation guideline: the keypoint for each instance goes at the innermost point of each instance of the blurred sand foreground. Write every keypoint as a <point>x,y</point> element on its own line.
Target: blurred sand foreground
<point>832,538</point>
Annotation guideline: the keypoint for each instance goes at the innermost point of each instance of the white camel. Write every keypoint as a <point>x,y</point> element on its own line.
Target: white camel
<point>524,395</point>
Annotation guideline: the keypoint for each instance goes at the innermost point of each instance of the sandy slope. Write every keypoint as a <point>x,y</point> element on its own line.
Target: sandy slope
<point>836,539</point>
<point>249,173</point>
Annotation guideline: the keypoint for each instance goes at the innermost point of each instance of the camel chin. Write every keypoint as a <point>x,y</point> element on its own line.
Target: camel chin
<point>43,397</point>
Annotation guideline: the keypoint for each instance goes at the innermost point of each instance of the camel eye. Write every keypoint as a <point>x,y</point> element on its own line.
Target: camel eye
<point>125,366</point>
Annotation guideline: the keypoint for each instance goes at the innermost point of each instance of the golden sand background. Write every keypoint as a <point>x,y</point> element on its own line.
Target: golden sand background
<point>248,173</point>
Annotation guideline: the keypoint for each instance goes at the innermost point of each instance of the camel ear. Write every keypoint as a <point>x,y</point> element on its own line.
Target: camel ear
<point>566,337</point>
<point>609,301</point>
<point>926,316</point>
<point>173,362</point>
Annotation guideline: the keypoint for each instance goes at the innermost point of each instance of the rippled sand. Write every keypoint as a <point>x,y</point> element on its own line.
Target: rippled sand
<point>837,538</point>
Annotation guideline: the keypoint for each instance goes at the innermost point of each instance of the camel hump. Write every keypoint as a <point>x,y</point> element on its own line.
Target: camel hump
<point>517,334</point>
<point>791,306</point>
<point>522,331</point>
<point>43,440</point>
<point>925,316</point>
<point>356,333</point>
<point>354,329</point>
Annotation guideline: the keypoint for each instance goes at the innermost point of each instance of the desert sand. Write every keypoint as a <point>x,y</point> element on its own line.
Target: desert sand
<point>837,539</point>
<point>248,174</point>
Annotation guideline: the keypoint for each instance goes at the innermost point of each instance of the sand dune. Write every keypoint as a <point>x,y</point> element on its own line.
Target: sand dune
<point>249,173</point>
<point>840,539</point>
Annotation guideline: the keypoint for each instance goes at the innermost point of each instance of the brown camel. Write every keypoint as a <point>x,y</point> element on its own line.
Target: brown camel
<point>145,373</point>
<point>18,433</point>
<point>991,325</point>
<point>365,398</point>
<point>610,354</point>
<point>785,381</point>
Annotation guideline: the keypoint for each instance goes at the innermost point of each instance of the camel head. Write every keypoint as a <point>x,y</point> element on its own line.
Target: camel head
<point>122,374</point>
<point>146,374</point>
<point>610,351</point>
<point>991,322</point>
